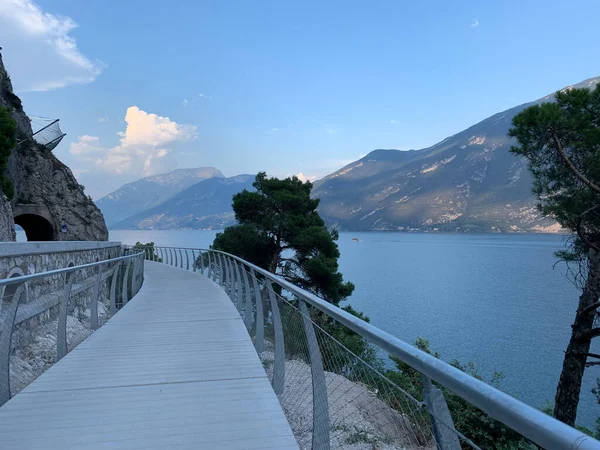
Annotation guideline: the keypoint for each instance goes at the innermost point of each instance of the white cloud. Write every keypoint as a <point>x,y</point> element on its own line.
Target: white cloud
<point>272,131</point>
<point>475,23</point>
<point>103,119</point>
<point>39,52</point>
<point>184,102</point>
<point>145,146</point>
<point>207,97</point>
<point>324,167</point>
<point>305,178</point>
<point>86,145</point>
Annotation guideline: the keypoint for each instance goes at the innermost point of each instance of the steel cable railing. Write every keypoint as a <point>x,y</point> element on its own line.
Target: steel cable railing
<point>337,393</point>
<point>44,316</point>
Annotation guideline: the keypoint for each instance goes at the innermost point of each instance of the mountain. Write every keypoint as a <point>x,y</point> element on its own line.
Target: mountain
<point>467,182</point>
<point>148,192</point>
<point>206,204</point>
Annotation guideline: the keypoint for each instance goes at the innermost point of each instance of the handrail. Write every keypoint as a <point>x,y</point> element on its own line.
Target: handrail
<point>35,276</point>
<point>530,422</point>
<point>16,312</point>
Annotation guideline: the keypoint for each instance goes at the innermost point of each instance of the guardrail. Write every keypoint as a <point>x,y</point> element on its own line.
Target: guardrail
<point>324,385</point>
<point>45,315</point>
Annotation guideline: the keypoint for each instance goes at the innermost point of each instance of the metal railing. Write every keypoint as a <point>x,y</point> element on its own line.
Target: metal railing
<point>45,315</point>
<point>322,363</point>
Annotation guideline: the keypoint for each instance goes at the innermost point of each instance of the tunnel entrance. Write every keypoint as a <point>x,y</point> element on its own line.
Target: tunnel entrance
<point>36,227</point>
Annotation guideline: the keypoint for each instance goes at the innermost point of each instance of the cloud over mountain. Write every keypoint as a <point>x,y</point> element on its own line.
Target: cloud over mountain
<point>145,146</point>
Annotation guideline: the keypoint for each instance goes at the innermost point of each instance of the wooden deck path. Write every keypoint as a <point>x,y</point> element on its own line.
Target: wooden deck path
<point>175,368</point>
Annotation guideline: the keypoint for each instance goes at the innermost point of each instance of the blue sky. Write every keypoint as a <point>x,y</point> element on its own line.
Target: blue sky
<point>143,87</point>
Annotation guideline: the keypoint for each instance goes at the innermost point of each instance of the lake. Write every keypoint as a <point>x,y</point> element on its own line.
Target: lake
<point>492,299</point>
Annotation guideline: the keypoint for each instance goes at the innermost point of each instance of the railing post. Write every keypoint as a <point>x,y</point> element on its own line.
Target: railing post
<point>124,295</point>
<point>248,309</point>
<point>176,261</point>
<point>259,337</point>
<point>214,268</point>
<point>234,282</point>
<point>279,366</point>
<point>229,275</point>
<point>219,260</point>
<point>238,285</point>
<point>201,259</point>
<point>180,260</point>
<point>231,282</point>
<point>113,289</point>
<point>61,333</point>
<point>441,420</point>
<point>134,269</point>
<point>138,275</point>
<point>209,263</point>
<point>95,298</point>
<point>223,269</point>
<point>5,343</point>
<point>320,434</point>
<point>162,255</point>
<point>187,260</point>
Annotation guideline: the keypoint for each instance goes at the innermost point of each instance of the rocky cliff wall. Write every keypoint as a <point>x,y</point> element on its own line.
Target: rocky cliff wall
<point>7,224</point>
<point>47,195</point>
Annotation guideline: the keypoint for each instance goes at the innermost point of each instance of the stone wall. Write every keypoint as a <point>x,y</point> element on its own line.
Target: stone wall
<point>25,258</point>
<point>34,334</point>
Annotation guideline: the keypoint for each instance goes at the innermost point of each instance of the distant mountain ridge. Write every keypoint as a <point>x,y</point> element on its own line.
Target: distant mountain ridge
<point>467,182</point>
<point>149,192</point>
<point>204,205</point>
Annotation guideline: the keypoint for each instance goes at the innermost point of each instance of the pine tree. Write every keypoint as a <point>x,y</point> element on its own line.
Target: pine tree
<point>561,141</point>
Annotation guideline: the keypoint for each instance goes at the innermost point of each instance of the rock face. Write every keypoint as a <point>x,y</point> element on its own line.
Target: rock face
<point>7,224</point>
<point>47,198</point>
<point>467,182</point>
<point>144,194</point>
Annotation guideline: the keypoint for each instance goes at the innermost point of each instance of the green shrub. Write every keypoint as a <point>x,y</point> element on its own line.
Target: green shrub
<point>8,133</point>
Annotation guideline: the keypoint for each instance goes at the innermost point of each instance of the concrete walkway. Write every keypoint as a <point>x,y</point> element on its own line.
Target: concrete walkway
<point>175,368</point>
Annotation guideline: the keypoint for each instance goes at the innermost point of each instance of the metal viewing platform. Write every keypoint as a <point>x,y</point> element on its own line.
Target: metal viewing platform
<point>174,368</point>
<point>185,348</point>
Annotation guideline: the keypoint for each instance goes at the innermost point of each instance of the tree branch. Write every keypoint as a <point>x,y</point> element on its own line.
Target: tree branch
<point>591,308</point>
<point>571,166</point>
<point>580,232</point>
<point>590,334</point>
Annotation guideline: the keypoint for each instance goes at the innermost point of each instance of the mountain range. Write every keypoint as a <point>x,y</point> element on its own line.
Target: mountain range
<point>204,205</point>
<point>468,182</point>
<point>149,192</point>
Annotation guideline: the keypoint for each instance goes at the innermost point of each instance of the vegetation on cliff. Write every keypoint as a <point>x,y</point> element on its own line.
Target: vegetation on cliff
<point>8,132</point>
<point>561,141</point>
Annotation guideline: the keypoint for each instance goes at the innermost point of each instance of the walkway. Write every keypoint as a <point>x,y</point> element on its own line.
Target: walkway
<point>175,368</point>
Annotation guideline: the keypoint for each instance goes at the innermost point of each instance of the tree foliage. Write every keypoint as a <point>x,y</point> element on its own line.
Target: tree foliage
<point>561,141</point>
<point>148,249</point>
<point>8,132</point>
<point>280,230</point>
<point>468,419</point>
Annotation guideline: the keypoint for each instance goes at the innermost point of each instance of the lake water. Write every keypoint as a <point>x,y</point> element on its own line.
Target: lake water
<point>494,300</point>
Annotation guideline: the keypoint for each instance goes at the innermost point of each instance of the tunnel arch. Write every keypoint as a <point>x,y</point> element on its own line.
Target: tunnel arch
<point>37,228</point>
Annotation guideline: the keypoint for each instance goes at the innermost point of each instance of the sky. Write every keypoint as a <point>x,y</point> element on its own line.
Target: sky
<point>145,86</point>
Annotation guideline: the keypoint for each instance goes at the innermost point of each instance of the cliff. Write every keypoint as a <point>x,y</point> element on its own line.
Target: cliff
<point>47,195</point>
